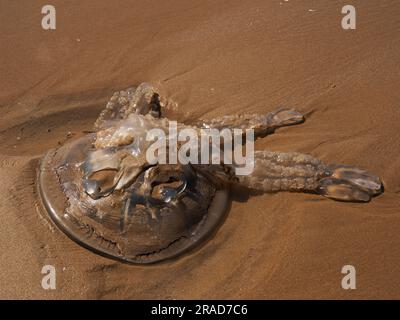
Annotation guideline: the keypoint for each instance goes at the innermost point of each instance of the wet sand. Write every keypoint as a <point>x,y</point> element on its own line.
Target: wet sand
<point>211,59</point>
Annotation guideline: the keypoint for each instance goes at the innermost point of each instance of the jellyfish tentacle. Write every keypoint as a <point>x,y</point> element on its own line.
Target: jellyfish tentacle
<point>277,171</point>
<point>348,183</point>
<point>143,100</point>
<point>260,123</point>
<point>115,109</point>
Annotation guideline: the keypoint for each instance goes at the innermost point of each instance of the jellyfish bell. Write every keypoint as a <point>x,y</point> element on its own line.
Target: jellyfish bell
<point>101,192</point>
<point>153,219</point>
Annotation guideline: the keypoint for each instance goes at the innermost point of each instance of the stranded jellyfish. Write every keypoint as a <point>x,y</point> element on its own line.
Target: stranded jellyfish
<point>102,191</point>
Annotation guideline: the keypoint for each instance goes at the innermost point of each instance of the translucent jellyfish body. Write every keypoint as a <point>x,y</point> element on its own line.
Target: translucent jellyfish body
<point>102,191</point>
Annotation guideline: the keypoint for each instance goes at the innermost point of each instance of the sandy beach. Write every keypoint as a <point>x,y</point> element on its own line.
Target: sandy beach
<point>212,58</point>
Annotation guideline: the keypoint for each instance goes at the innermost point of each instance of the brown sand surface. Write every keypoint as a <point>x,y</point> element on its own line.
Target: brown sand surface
<point>212,58</point>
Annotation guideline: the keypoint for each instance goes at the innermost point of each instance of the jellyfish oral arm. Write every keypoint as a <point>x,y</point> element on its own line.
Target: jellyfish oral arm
<point>261,123</point>
<point>278,171</point>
